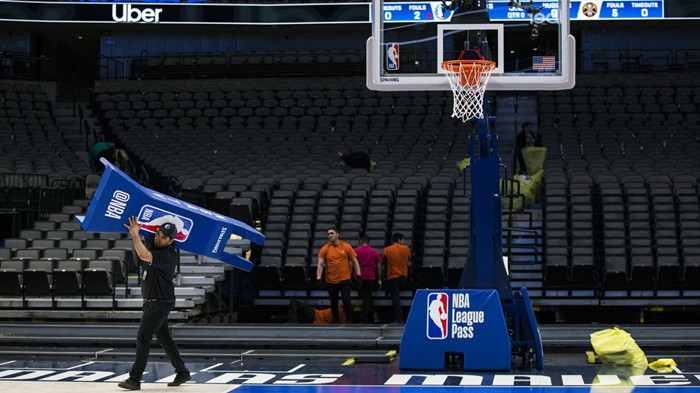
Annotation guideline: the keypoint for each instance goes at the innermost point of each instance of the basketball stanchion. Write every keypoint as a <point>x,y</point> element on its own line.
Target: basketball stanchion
<point>483,323</point>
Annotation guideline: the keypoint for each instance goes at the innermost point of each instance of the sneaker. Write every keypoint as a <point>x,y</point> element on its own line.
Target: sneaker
<point>130,384</point>
<point>180,378</point>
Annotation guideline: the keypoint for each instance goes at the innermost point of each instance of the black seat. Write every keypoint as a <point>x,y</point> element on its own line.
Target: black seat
<point>556,277</point>
<point>294,273</point>
<point>29,253</point>
<point>86,253</point>
<point>37,278</point>
<point>431,273</point>
<point>11,278</point>
<point>67,278</point>
<point>123,261</point>
<point>98,244</point>
<point>5,254</point>
<point>55,254</point>
<point>268,276</point>
<point>98,279</point>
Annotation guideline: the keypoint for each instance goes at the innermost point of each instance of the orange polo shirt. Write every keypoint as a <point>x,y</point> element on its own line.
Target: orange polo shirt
<point>325,317</point>
<point>337,261</point>
<point>396,257</point>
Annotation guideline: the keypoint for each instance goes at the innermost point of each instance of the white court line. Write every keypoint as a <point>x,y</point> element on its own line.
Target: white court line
<point>296,368</point>
<point>47,368</point>
<point>103,351</point>
<point>291,370</point>
<point>79,365</point>
<point>248,352</point>
<point>210,367</point>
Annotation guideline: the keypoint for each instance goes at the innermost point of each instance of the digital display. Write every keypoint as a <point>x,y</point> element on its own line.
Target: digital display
<point>429,11</point>
<point>183,13</point>
<point>580,10</point>
<point>198,12</point>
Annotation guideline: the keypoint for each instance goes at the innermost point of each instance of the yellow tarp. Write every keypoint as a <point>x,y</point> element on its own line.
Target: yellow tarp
<point>616,347</point>
<point>524,191</point>
<point>534,159</point>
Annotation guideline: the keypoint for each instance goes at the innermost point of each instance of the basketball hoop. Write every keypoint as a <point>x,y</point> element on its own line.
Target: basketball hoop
<point>468,79</point>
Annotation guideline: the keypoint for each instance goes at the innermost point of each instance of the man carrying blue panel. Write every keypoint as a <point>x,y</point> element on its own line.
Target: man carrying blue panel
<point>158,290</point>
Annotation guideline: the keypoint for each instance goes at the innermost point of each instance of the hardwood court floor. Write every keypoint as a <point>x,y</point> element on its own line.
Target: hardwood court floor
<point>563,373</point>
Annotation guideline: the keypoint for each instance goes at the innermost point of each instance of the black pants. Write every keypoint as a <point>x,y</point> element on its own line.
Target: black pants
<point>300,312</point>
<point>155,321</point>
<point>344,287</point>
<point>393,288</point>
<point>366,290</point>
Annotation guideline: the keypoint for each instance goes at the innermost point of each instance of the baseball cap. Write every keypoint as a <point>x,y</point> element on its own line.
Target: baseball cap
<point>168,229</point>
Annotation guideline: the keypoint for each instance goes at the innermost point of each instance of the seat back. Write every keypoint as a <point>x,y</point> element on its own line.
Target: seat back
<point>67,278</point>
<point>37,278</point>
<point>98,278</point>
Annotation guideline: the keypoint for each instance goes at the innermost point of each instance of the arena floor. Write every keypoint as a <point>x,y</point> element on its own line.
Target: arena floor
<point>318,370</point>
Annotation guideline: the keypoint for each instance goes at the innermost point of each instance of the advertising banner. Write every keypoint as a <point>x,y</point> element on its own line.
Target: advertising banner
<point>468,323</point>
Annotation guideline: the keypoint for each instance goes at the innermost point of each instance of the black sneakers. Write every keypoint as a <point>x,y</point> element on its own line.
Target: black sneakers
<point>180,378</point>
<point>130,384</point>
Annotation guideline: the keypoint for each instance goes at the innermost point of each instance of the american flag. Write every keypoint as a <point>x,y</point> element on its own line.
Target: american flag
<point>544,63</point>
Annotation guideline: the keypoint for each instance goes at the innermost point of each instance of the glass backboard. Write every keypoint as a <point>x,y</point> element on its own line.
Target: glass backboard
<point>528,40</point>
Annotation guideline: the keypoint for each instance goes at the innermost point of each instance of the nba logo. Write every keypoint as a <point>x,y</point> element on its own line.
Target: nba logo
<point>151,217</point>
<point>437,316</point>
<point>392,56</point>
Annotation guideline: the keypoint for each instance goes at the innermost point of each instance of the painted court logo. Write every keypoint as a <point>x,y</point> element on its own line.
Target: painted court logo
<point>437,316</point>
<point>151,217</point>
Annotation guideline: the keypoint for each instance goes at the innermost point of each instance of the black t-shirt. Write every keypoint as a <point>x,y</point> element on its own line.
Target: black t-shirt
<point>158,283</point>
<point>358,159</point>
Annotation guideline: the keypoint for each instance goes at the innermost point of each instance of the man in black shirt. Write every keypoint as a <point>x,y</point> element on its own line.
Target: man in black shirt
<point>356,159</point>
<point>526,138</point>
<point>158,290</point>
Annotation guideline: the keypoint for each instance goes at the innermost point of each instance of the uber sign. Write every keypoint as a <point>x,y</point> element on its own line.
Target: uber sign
<point>130,14</point>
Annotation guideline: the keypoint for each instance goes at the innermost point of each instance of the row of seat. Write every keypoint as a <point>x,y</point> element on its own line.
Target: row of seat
<point>221,65</point>
<point>99,273</point>
<point>30,138</point>
<point>61,278</point>
<point>616,186</point>
<point>434,221</point>
<point>66,240</point>
<point>291,155</point>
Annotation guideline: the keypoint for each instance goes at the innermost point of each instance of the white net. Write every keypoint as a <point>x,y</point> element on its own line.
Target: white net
<point>468,79</point>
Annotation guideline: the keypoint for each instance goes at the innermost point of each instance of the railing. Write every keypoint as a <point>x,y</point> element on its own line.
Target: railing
<point>111,68</point>
<point>22,66</point>
<point>28,197</point>
<point>235,64</point>
<point>638,60</point>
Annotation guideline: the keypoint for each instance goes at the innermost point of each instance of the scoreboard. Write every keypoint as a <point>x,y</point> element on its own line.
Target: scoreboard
<point>499,10</point>
<point>581,10</point>
<point>628,9</point>
<point>428,11</point>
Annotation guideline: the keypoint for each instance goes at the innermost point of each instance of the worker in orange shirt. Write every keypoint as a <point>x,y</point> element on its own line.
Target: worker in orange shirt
<point>339,260</point>
<point>396,258</point>
<point>300,312</point>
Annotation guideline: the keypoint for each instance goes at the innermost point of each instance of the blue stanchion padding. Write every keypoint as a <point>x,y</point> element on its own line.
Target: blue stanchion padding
<point>456,321</point>
<point>530,330</point>
<point>200,231</point>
